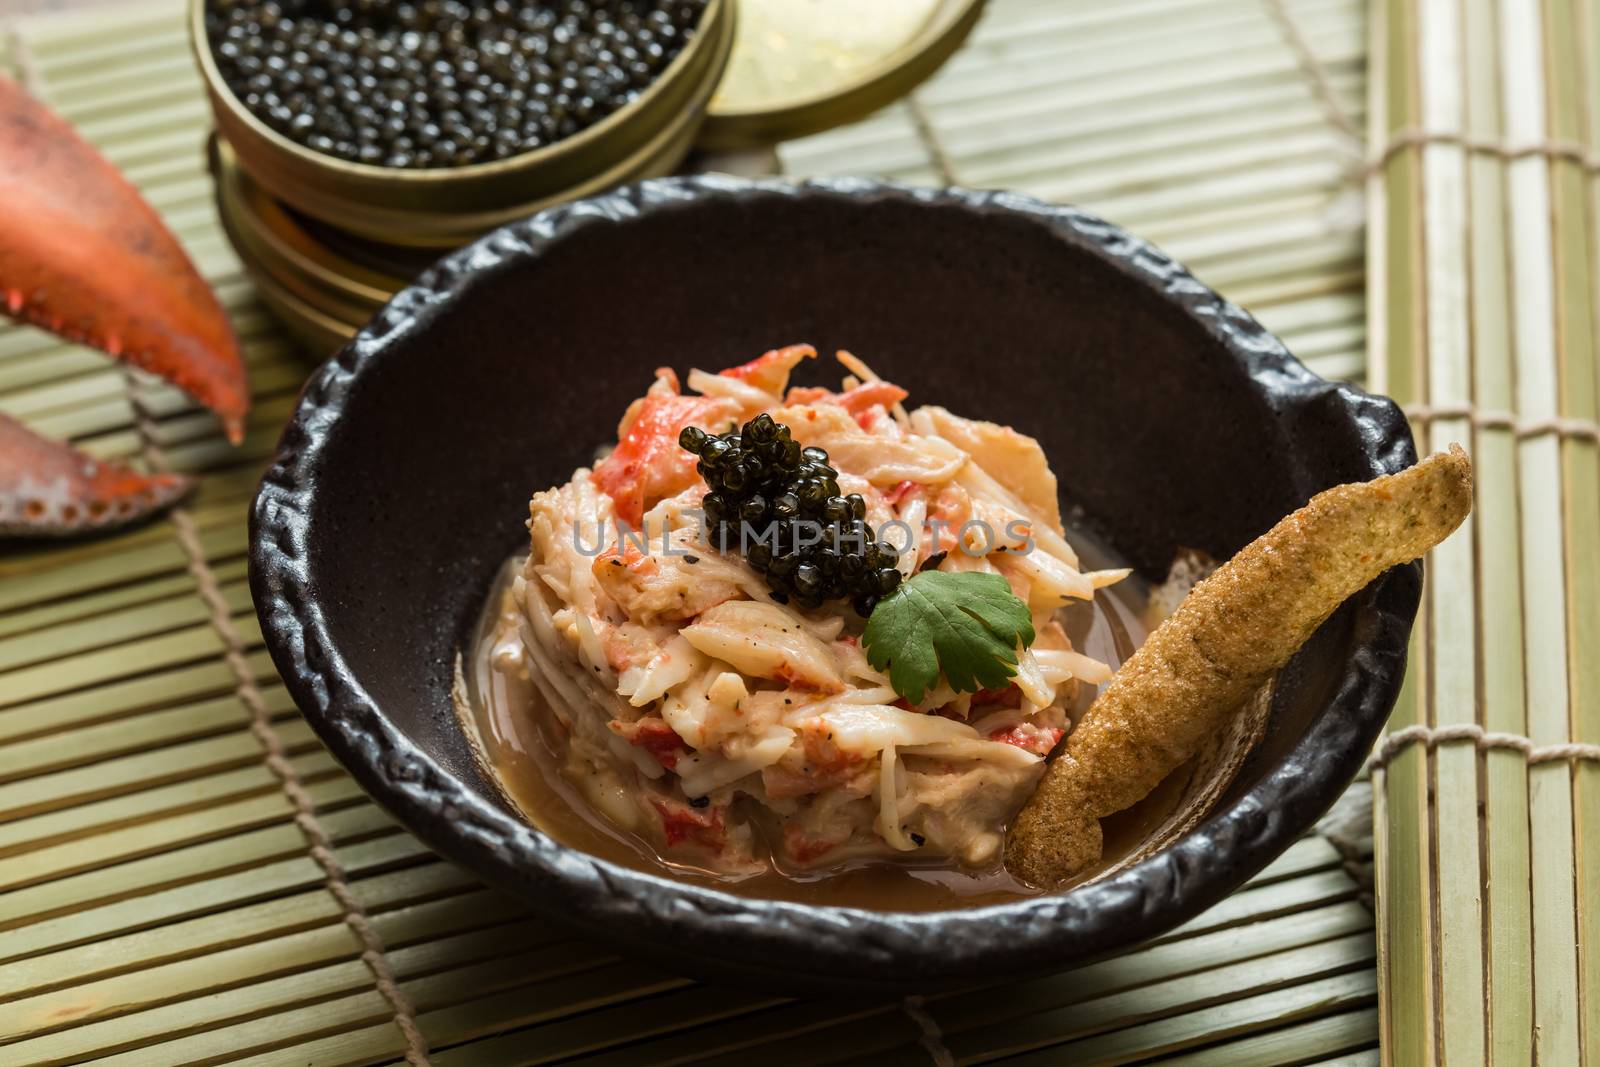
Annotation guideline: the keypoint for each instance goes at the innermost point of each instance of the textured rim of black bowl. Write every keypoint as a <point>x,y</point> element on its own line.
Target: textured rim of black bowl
<point>815,945</point>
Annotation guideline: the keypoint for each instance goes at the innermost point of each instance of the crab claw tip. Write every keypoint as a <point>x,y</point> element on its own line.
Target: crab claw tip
<point>50,489</point>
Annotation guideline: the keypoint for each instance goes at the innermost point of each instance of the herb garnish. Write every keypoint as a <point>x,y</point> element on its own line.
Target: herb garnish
<point>967,625</point>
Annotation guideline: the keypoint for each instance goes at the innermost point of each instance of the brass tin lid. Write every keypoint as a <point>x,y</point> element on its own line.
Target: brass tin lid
<point>321,334</point>
<point>394,261</point>
<point>443,207</point>
<point>803,66</point>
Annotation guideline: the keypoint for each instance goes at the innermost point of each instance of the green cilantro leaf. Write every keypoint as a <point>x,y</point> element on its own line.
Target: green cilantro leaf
<point>966,624</point>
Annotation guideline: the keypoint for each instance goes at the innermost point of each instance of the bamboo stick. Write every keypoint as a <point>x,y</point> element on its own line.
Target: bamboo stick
<point>274,867</point>
<point>157,836</point>
<point>1319,1037</point>
<point>145,554</point>
<point>147,758</point>
<point>143,792</point>
<point>1095,60</point>
<point>1544,589</point>
<point>504,966</point>
<point>141,736</point>
<point>1585,29</point>
<point>114,627</point>
<point>1271,976</point>
<point>890,1039</point>
<point>152,966</point>
<point>1406,886</point>
<point>863,1028</point>
<point>1196,954</point>
<point>1507,871</point>
<point>110,701</point>
<point>1452,618</point>
<point>574,996</point>
<point>57,612</point>
<point>1133,110</point>
<point>1575,307</point>
<point>248,866</point>
<point>1586,698</point>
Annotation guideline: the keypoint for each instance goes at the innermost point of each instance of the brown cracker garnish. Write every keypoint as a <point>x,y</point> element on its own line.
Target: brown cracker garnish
<point>1225,640</point>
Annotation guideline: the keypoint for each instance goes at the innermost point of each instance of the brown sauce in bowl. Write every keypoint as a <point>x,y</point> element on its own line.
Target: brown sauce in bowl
<point>502,712</point>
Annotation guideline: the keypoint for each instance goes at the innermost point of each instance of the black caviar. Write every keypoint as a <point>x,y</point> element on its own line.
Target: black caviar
<point>441,83</point>
<point>780,505</point>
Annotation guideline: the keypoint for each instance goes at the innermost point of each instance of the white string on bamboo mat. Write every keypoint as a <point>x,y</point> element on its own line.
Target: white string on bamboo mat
<point>319,844</point>
<point>930,1037</point>
<point>1316,74</point>
<point>1412,136</point>
<point>1431,737</point>
<point>923,126</point>
<point>1506,420</point>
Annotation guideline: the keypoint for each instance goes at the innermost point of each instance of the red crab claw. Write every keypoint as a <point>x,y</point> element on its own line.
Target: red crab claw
<point>48,489</point>
<point>83,255</point>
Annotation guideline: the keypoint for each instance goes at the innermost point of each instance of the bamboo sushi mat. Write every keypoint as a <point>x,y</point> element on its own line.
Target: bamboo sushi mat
<point>158,904</point>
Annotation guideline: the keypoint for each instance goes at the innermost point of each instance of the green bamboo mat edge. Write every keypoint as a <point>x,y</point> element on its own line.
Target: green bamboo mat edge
<point>156,902</point>
<point>1485,325</point>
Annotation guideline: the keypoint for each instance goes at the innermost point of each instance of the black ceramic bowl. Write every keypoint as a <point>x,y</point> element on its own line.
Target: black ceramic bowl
<point>1172,418</point>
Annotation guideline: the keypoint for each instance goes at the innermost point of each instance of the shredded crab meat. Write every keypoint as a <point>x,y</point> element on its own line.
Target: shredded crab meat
<point>742,734</point>
<point>763,640</point>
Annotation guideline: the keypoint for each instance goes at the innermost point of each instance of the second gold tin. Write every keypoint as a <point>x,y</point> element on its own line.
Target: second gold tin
<point>826,69</point>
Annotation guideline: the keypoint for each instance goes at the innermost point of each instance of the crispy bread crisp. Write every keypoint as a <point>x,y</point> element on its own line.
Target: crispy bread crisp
<point>1225,640</point>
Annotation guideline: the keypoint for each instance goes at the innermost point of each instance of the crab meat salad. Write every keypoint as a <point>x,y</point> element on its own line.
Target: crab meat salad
<point>793,631</point>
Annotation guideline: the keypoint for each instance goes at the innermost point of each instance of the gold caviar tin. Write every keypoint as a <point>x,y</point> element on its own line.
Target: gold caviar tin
<point>803,66</point>
<point>447,206</point>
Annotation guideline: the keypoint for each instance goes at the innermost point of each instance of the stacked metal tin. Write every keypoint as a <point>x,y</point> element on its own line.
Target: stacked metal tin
<point>330,230</point>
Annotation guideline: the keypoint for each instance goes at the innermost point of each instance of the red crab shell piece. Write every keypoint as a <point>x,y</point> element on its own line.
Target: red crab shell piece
<point>49,489</point>
<point>769,371</point>
<point>84,256</point>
